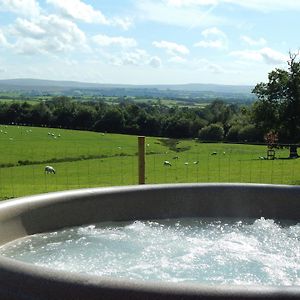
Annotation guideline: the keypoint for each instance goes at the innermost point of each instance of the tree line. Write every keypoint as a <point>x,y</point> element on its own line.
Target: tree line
<point>276,112</point>
<point>218,121</point>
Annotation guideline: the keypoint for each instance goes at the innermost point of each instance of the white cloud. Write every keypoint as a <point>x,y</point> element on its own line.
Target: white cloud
<point>155,62</point>
<point>177,59</point>
<point>213,38</point>
<point>247,55</point>
<point>79,10</point>
<point>266,5</point>
<point>136,57</point>
<point>106,41</point>
<point>171,47</point>
<point>210,44</point>
<point>47,34</point>
<point>273,57</point>
<point>252,42</point>
<point>266,55</point>
<point>27,28</point>
<point>183,16</point>
<point>206,65</point>
<point>213,31</point>
<point>259,5</point>
<point>124,23</point>
<point>180,3</point>
<point>3,40</point>
<point>21,7</point>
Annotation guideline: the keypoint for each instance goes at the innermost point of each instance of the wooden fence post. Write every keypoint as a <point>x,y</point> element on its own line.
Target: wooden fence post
<point>141,146</point>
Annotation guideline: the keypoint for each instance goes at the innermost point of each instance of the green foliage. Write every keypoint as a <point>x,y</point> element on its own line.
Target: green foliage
<point>125,116</point>
<point>213,132</point>
<point>278,105</point>
<point>233,133</point>
<point>249,133</point>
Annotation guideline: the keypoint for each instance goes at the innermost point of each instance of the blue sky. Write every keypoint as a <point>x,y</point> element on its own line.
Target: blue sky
<point>147,41</point>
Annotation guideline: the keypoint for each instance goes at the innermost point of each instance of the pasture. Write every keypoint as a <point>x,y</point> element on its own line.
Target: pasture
<point>89,159</point>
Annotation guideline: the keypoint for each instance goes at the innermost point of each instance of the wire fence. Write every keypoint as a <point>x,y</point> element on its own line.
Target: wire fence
<point>22,169</point>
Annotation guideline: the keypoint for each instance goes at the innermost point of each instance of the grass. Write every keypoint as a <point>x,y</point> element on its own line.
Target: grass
<point>89,159</point>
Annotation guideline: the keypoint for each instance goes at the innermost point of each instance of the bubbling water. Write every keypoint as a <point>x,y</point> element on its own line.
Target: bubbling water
<point>209,251</point>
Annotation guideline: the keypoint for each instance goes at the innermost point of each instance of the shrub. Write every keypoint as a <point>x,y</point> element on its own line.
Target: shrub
<point>250,133</point>
<point>233,134</point>
<point>212,132</point>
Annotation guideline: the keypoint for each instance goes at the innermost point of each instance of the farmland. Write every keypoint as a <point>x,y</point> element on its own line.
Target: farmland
<point>89,159</point>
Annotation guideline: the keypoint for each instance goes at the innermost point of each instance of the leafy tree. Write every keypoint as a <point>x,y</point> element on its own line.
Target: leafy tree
<point>212,132</point>
<point>177,127</point>
<point>233,133</point>
<point>249,133</point>
<point>112,121</point>
<point>40,114</point>
<point>278,105</point>
<point>84,117</point>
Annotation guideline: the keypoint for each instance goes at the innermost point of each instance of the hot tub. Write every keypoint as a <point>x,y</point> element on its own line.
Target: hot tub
<point>49,212</point>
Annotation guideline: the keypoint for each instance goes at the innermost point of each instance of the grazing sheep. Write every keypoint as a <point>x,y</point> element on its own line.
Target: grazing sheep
<point>167,163</point>
<point>214,153</point>
<point>49,170</point>
<point>196,162</point>
<point>186,163</point>
<point>176,157</point>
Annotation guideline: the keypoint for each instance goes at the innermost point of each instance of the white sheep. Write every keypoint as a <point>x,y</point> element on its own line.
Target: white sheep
<point>49,170</point>
<point>167,163</point>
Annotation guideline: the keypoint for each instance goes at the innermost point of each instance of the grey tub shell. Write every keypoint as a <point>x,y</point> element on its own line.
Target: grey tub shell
<point>52,211</point>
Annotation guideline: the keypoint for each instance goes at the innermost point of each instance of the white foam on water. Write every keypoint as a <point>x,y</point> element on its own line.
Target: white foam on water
<point>210,251</point>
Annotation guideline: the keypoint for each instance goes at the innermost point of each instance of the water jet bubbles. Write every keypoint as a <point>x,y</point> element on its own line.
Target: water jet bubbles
<point>189,250</point>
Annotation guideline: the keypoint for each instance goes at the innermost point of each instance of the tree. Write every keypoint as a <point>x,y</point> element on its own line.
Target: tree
<point>278,105</point>
<point>212,132</point>
<point>112,121</point>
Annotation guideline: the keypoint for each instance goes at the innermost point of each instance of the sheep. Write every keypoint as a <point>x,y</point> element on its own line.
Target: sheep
<point>196,162</point>
<point>167,163</point>
<point>176,157</point>
<point>186,163</point>
<point>214,153</point>
<point>49,170</point>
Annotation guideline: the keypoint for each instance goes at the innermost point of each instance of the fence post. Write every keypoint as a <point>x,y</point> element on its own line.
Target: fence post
<point>141,166</point>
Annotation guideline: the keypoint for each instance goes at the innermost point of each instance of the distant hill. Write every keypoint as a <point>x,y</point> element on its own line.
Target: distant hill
<point>71,88</point>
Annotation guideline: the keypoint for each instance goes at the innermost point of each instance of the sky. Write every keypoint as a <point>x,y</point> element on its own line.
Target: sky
<point>147,41</point>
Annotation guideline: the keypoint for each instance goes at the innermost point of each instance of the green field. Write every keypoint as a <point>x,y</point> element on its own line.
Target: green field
<point>90,159</point>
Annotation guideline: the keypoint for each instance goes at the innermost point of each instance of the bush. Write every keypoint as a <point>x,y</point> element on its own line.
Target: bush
<point>213,132</point>
<point>250,133</point>
<point>233,134</point>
